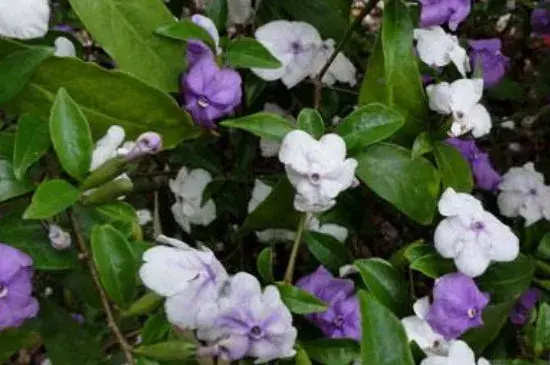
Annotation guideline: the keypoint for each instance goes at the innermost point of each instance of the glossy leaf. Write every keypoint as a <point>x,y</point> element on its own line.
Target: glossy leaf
<point>217,11</point>
<point>301,357</point>
<point>50,198</point>
<point>422,145</point>
<point>311,121</point>
<point>144,305</point>
<point>7,143</point>
<point>332,351</point>
<point>412,186</point>
<point>384,341</point>
<point>433,265</point>
<point>249,53</point>
<point>119,211</point>
<point>31,142</point>
<point>264,264</point>
<point>455,171</point>
<point>125,30</point>
<point>299,301</point>
<point>543,249</point>
<point>10,186</point>
<point>330,252</point>
<point>186,30</point>
<point>369,124</point>
<point>168,351</point>
<point>265,125</point>
<point>156,329</point>
<point>115,263</point>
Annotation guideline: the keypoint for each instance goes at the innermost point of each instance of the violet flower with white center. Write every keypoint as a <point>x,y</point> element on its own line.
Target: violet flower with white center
<point>487,54</point>
<point>247,322</point>
<point>197,49</point>
<point>16,301</point>
<point>471,236</point>
<point>24,19</point>
<point>520,313</point>
<point>187,277</point>
<point>457,305</point>
<point>439,12</point>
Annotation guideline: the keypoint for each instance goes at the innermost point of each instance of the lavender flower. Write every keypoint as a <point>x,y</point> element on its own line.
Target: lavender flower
<point>342,318</point>
<point>457,305</point>
<point>147,143</point>
<point>197,49</point>
<point>487,178</point>
<point>438,12</point>
<point>210,92</point>
<point>487,54</point>
<point>520,313</point>
<point>16,301</point>
<point>540,21</point>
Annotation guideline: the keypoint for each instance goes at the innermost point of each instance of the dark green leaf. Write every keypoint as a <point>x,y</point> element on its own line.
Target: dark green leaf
<point>71,136</point>
<point>50,198</point>
<point>369,124</point>
<point>15,339</point>
<point>542,329</point>
<point>310,121</point>
<point>455,171</point>
<point>17,68</point>
<point>330,252</point>
<point>119,211</point>
<point>384,341</point>
<point>156,329</point>
<point>299,301</point>
<point>433,265</point>
<point>144,305</point>
<point>265,264</point>
<point>125,30</point>
<point>385,283</point>
<point>169,351</point>
<point>217,11</point>
<point>249,53</point>
<point>115,263</point>
<point>301,357</point>
<point>265,125</point>
<point>422,145</point>
<point>31,142</point>
<point>186,30</point>
<point>7,143</point>
<point>543,249</point>
<point>329,351</point>
<point>412,186</point>
<point>10,187</point>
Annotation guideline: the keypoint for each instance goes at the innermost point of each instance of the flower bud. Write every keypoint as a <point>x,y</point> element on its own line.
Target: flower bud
<point>59,239</point>
<point>148,143</point>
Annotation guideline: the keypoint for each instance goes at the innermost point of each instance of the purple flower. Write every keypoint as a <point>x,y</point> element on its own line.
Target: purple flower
<point>196,50</point>
<point>147,143</point>
<point>525,304</point>
<point>540,20</point>
<point>485,175</point>
<point>457,305</point>
<point>210,92</point>
<point>16,301</point>
<point>342,318</point>
<point>438,12</point>
<point>486,53</point>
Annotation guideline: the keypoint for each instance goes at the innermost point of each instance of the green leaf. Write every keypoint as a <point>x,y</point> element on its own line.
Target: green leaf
<point>125,30</point>
<point>542,329</point>
<point>412,186</point>
<point>393,77</point>
<point>264,125</point>
<point>543,249</point>
<point>71,136</point>
<point>310,121</point>
<point>494,319</point>
<point>433,265</point>
<point>276,211</point>
<point>10,186</point>
<point>299,301</point>
<point>385,283</point>
<point>17,68</point>
<point>369,124</point>
<point>156,329</point>
<point>249,53</point>
<point>31,142</point>
<point>332,351</point>
<point>106,97</point>
<point>383,341</point>
<point>144,305</point>
<point>506,280</point>
<point>7,143</point>
<point>422,145</point>
<point>50,198</point>
<point>15,339</point>
<point>186,30</point>
<point>217,11</point>
<point>168,351</point>
<point>330,252</point>
<point>265,264</point>
<point>455,171</point>
<point>119,211</point>
<point>31,238</point>
<point>115,263</point>
<point>301,357</point>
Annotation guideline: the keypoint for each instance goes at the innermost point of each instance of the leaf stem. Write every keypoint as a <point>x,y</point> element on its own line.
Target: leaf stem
<point>318,83</point>
<point>289,273</point>
<point>126,348</point>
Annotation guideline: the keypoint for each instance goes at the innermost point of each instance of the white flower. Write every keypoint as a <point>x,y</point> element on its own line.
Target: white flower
<point>471,236</point>
<point>144,216</point>
<point>461,100</point>
<point>59,239</point>
<point>294,44</point>
<point>208,25</point>
<point>459,354</point>
<point>239,11</point>
<point>347,270</point>
<point>318,170</point>
<point>269,148</point>
<point>187,277</point>
<point>24,19</point>
<point>524,194</point>
<point>437,49</point>
<point>188,187</point>
<point>341,69</point>
<point>419,331</point>
<point>64,47</point>
<point>337,232</point>
<point>107,147</point>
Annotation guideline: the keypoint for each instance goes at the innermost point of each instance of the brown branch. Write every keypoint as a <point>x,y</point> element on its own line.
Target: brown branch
<point>126,348</point>
<point>317,82</point>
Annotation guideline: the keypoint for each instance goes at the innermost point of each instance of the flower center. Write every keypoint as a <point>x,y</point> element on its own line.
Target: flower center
<point>533,192</point>
<point>478,226</point>
<point>256,332</point>
<point>472,312</point>
<point>3,291</point>
<point>296,47</point>
<point>315,178</point>
<point>203,101</point>
<point>459,115</point>
<point>338,321</point>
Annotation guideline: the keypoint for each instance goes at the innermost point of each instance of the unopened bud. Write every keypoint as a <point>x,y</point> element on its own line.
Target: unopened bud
<point>148,143</point>
<point>59,239</point>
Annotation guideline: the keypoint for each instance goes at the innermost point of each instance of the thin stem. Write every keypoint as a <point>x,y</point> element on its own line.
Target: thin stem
<point>126,348</point>
<point>289,273</point>
<point>318,84</point>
